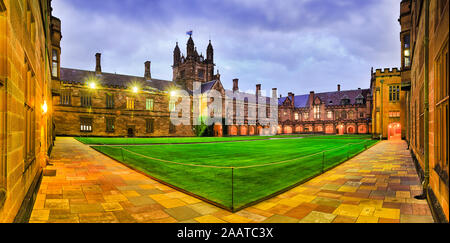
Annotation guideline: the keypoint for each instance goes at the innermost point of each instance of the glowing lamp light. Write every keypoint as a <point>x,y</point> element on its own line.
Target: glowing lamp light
<point>173,93</point>
<point>44,107</point>
<point>135,89</point>
<point>92,85</point>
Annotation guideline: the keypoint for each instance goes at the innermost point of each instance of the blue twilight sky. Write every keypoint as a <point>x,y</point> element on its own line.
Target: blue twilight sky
<point>293,45</point>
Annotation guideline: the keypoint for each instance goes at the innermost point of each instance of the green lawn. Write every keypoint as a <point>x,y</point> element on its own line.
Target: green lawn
<point>236,173</point>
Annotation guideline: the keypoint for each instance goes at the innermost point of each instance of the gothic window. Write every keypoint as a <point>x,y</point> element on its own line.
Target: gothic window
<point>65,98</point>
<point>149,125</point>
<point>441,112</point>
<point>109,101</point>
<point>394,93</point>
<point>361,115</point>
<point>172,128</point>
<point>316,111</point>
<point>130,103</point>
<point>359,99</point>
<point>351,115</point>
<point>296,116</point>
<point>86,99</point>
<point>182,74</point>
<point>30,117</point>
<point>201,74</point>
<point>149,104</point>
<point>344,115</point>
<point>306,115</point>
<point>345,101</point>
<point>55,62</point>
<point>110,124</point>
<point>330,115</point>
<point>85,124</point>
<point>406,50</point>
<point>172,105</point>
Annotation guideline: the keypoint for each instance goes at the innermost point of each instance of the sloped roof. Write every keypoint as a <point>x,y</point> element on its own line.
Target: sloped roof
<point>69,75</point>
<point>336,96</point>
<point>329,98</point>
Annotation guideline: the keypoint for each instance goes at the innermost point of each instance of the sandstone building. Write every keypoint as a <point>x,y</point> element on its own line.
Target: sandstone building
<point>424,39</point>
<point>388,111</point>
<point>97,103</point>
<point>338,112</point>
<point>25,102</point>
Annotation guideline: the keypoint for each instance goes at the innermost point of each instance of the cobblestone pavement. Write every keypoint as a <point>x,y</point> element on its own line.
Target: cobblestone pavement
<point>377,186</point>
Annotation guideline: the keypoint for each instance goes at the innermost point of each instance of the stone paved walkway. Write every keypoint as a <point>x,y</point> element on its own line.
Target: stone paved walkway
<point>378,185</point>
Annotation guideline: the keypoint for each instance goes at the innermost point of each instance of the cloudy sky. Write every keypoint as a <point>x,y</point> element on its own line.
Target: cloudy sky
<point>294,45</point>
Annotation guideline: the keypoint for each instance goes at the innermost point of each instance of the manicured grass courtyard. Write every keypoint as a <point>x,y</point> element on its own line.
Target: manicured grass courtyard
<point>235,174</point>
<point>175,140</point>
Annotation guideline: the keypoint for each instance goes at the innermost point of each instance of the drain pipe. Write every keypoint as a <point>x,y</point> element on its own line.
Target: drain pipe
<point>426,145</point>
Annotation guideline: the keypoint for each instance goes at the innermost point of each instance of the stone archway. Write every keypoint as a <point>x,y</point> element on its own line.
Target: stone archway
<point>340,130</point>
<point>351,129</point>
<point>395,131</point>
<point>233,130</point>
<point>218,130</point>
<point>329,129</point>
<point>287,130</point>
<point>244,130</point>
<point>362,129</point>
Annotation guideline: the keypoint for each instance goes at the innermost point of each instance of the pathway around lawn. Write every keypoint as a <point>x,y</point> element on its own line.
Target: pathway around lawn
<point>378,185</point>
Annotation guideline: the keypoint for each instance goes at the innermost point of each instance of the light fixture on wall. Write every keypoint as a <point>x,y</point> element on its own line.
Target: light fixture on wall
<point>44,107</point>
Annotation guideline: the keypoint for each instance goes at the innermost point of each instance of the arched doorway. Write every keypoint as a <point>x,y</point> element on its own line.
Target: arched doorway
<point>350,130</point>
<point>130,132</point>
<point>218,130</point>
<point>340,130</point>
<point>394,131</point>
<point>287,129</point>
<point>233,130</point>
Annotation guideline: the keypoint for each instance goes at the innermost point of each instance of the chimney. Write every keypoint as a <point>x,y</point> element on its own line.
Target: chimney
<point>339,87</point>
<point>258,89</point>
<point>98,66</point>
<point>311,98</point>
<point>292,97</point>
<point>148,74</point>
<point>235,84</point>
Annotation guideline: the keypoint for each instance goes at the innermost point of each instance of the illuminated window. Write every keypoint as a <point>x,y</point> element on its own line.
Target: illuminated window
<point>330,115</point>
<point>406,51</point>
<point>85,124</point>
<point>296,116</point>
<point>149,104</point>
<point>172,105</point>
<point>305,115</point>
<point>55,61</point>
<point>130,103</point>
<point>317,112</point>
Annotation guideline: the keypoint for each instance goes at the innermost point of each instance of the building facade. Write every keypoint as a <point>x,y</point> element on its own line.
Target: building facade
<point>338,112</point>
<point>425,79</point>
<point>388,111</point>
<point>25,102</point>
<point>97,103</point>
